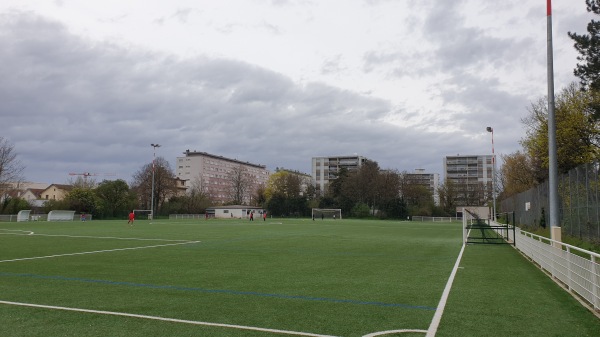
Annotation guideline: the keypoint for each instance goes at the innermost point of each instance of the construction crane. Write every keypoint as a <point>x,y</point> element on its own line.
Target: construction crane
<point>88,174</point>
<point>85,175</point>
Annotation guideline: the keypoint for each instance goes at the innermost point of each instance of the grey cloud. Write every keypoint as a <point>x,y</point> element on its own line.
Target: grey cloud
<point>70,104</point>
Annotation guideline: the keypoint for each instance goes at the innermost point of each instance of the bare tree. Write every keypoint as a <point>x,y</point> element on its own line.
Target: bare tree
<point>82,182</point>
<point>198,198</point>
<point>164,183</point>
<point>11,169</point>
<point>241,185</point>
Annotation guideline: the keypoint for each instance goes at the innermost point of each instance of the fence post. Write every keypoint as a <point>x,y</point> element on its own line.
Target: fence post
<point>569,268</point>
<point>596,283</point>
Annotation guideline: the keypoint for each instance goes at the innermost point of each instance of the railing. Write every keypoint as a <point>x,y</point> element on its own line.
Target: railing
<point>40,217</point>
<point>436,218</point>
<point>577,269</point>
<point>186,216</point>
<point>8,217</point>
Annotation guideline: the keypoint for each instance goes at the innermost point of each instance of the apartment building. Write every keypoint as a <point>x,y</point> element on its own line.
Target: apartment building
<point>471,176</point>
<point>213,174</point>
<point>429,180</point>
<point>325,169</point>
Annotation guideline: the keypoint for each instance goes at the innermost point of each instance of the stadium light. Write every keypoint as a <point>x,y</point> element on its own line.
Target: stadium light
<point>490,129</point>
<point>153,160</point>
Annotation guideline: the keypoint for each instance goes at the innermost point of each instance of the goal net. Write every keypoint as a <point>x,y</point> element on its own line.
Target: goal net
<point>59,215</point>
<point>326,213</point>
<point>23,215</point>
<point>142,214</point>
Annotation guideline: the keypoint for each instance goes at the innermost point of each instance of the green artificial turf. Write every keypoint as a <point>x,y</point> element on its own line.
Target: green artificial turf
<point>331,277</point>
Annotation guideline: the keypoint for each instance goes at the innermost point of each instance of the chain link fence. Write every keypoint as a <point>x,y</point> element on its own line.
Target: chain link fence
<point>579,203</point>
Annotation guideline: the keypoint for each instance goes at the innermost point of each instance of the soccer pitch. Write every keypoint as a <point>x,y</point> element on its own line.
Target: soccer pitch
<point>277,277</point>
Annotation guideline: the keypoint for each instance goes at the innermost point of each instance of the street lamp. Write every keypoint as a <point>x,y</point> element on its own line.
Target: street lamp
<point>153,160</point>
<point>490,129</point>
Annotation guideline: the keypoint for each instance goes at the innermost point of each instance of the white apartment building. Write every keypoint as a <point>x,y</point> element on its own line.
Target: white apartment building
<point>472,177</point>
<point>325,169</point>
<point>430,180</point>
<point>213,174</point>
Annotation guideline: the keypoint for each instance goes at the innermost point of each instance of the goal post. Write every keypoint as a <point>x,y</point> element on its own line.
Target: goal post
<point>326,213</point>
<point>143,214</point>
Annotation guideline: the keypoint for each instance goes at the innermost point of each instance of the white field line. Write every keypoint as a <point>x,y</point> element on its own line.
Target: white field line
<point>164,319</point>
<point>22,232</point>
<point>440,308</point>
<point>98,251</point>
<point>381,333</point>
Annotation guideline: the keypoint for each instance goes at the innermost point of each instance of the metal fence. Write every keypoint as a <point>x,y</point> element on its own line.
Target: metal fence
<point>579,203</point>
<point>186,216</point>
<point>578,270</point>
<point>436,218</point>
<point>40,217</point>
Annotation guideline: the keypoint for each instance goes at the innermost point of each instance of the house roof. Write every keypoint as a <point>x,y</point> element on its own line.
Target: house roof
<point>235,207</point>
<point>60,186</point>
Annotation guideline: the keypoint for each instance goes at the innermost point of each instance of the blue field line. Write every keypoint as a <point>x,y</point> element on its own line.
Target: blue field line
<point>219,291</point>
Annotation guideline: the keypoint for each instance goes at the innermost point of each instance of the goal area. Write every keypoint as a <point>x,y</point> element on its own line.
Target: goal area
<point>60,215</point>
<point>142,214</point>
<point>326,213</point>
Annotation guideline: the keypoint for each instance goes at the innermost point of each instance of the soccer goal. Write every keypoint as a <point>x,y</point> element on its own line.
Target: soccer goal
<point>142,214</point>
<point>58,215</point>
<point>326,213</point>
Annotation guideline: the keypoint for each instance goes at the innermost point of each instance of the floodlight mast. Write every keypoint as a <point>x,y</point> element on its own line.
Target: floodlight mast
<point>553,202</point>
<point>153,165</point>
<point>490,129</point>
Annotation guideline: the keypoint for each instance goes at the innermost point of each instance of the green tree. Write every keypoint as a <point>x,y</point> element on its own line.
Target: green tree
<point>576,133</point>
<point>13,205</point>
<point>387,197</point>
<point>277,205</point>
<point>51,205</point>
<point>588,46</point>
<point>284,183</point>
<point>516,174</point>
<point>82,200</point>
<point>417,196</point>
<point>361,210</point>
<point>115,199</point>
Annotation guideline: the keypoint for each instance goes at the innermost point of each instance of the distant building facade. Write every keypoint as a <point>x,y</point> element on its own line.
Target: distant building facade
<point>326,169</point>
<point>212,173</point>
<point>471,176</point>
<point>55,192</point>
<point>430,181</point>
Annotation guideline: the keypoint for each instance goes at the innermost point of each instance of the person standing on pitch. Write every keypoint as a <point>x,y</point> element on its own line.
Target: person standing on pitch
<point>251,216</point>
<point>265,216</point>
<point>131,218</point>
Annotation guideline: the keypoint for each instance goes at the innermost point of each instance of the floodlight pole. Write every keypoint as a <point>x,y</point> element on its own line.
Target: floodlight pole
<point>490,129</point>
<point>153,160</point>
<point>555,231</point>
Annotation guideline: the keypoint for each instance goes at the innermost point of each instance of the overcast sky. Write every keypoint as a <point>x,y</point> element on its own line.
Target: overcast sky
<point>87,86</point>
